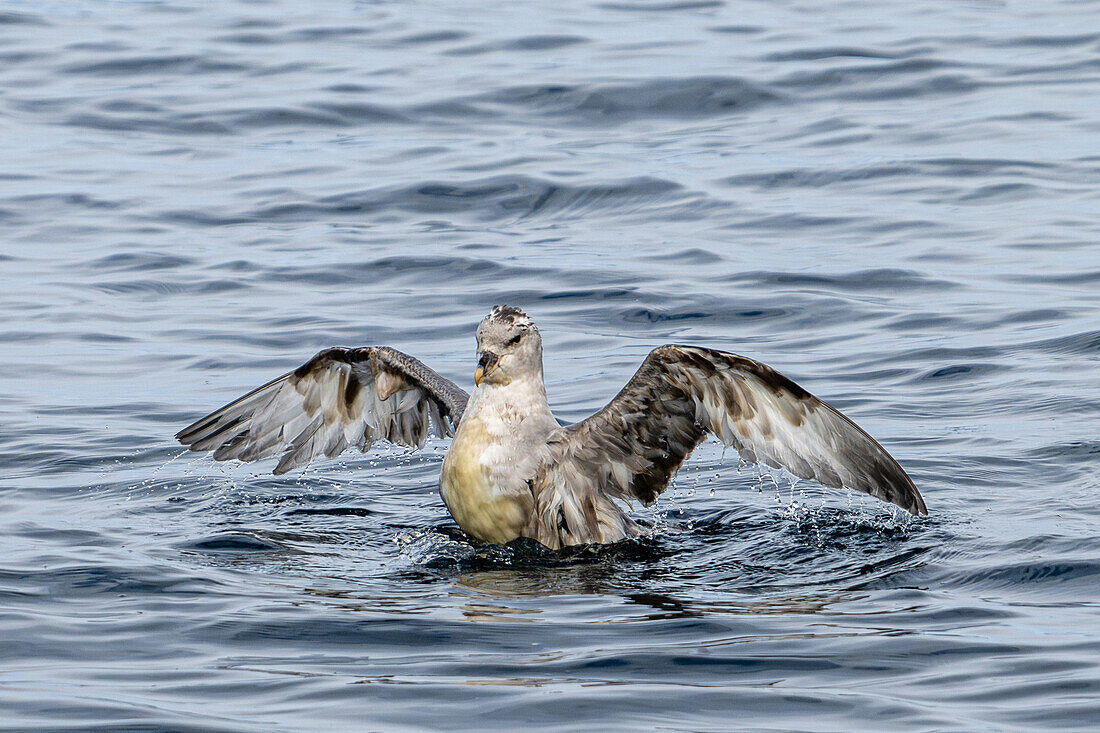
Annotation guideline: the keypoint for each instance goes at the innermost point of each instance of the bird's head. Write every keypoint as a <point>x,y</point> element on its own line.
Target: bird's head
<point>508,347</point>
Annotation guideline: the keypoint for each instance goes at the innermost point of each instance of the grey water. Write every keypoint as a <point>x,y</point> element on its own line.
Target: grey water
<point>895,204</point>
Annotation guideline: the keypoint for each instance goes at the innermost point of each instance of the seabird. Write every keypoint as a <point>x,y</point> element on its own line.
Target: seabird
<point>512,470</point>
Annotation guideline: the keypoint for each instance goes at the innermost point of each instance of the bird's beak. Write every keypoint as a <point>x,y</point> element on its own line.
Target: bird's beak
<point>486,365</point>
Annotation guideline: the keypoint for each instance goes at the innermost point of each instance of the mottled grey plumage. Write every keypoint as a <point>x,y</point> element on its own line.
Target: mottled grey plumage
<point>338,399</point>
<point>512,470</point>
<point>632,447</point>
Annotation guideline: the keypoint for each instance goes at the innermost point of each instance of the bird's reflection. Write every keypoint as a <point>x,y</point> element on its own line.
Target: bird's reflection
<point>765,568</point>
<point>511,595</point>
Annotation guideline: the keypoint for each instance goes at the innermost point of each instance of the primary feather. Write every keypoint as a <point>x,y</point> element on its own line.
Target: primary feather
<point>340,398</point>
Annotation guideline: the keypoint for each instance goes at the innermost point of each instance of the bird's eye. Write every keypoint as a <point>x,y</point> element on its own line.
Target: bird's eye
<point>515,339</point>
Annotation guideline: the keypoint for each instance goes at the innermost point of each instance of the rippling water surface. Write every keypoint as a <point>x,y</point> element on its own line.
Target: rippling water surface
<point>894,204</point>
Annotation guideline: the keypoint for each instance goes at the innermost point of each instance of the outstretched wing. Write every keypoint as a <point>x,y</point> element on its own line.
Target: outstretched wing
<point>632,447</point>
<point>338,399</point>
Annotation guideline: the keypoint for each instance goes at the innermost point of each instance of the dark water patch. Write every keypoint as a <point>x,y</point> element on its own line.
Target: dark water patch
<point>693,256</point>
<point>1042,690</point>
<point>282,70</point>
<point>698,97</point>
<point>982,167</point>
<point>843,140</point>
<point>447,110</point>
<point>139,65</point>
<point>71,583</point>
<point>111,410</point>
<point>525,43</point>
<point>820,54</point>
<point>944,84</point>
<point>351,88</point>
<point>1001,192</point>
<point>41,104</point>
<point>1049,543</point>
<point>9,18</point>
<point>663,7</point>
<point>1042,73</point>
<point>1076,451</point>
<point>1089,277</point>
<point>542,43</point>
<point>25,337</point>
<point>273,484</point>
<point>179,125</point>
<point>799,178</point>
<point>441,36</point>
<point>339,511</point>
<point>404,270</point>
<point>99,46</point>
<point>12,59</point>
<point>129,105</point>
<point>792,222</point>
<point>530,555</point>
<point>737,29</point>
<point>232,542</point>
<point>1086,342</point>
<point>923,322</point>
<point>860,281</point>
<point>652,316</point>
<point>1041,315</point>
<point>263,33</point>
<point>872,376</point>
<point>881,75</point>
<point>1064,245</point>
<point>164,287</point>
<point>104,338</point>
<point>762,313</point>
<point>589,295</point>
<point>326,33</point>
<point>253,22</point>
<point>70,199</point>
<point>1057,579</point>
<point>89,715</point>
<point>1047,41</point>
<point>1038,116</point>
<point>963,372</point>
<point>287,117</point>
<point>141,262</point>
<point>199,217</point>
<point>497,197</point>
<point>363,113</point>
<point>65,536</point>
<point>249,39</point>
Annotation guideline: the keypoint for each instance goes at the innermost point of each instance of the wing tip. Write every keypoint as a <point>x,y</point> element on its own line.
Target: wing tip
<point>896,487</point>
<point>187,435</point>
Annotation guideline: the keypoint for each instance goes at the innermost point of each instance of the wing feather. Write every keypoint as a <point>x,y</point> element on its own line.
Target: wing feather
<point>633,447</point>
<point>338,399</point>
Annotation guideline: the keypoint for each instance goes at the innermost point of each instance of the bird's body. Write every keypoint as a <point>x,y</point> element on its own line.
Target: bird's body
<point>496,450</point>
<point>512,470</point>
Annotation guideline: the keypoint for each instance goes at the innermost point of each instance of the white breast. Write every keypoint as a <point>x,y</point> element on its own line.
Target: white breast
<point>495,451</point>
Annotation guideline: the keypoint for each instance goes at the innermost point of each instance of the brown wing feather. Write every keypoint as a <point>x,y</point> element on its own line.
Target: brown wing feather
<point>338,399</point>
<point>633,447</point>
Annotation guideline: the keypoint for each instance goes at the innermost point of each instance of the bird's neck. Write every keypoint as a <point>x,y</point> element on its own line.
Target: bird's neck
<point>520,400</point>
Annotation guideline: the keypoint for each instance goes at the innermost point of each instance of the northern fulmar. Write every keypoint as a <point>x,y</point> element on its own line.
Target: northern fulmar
<point>512,470</point>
